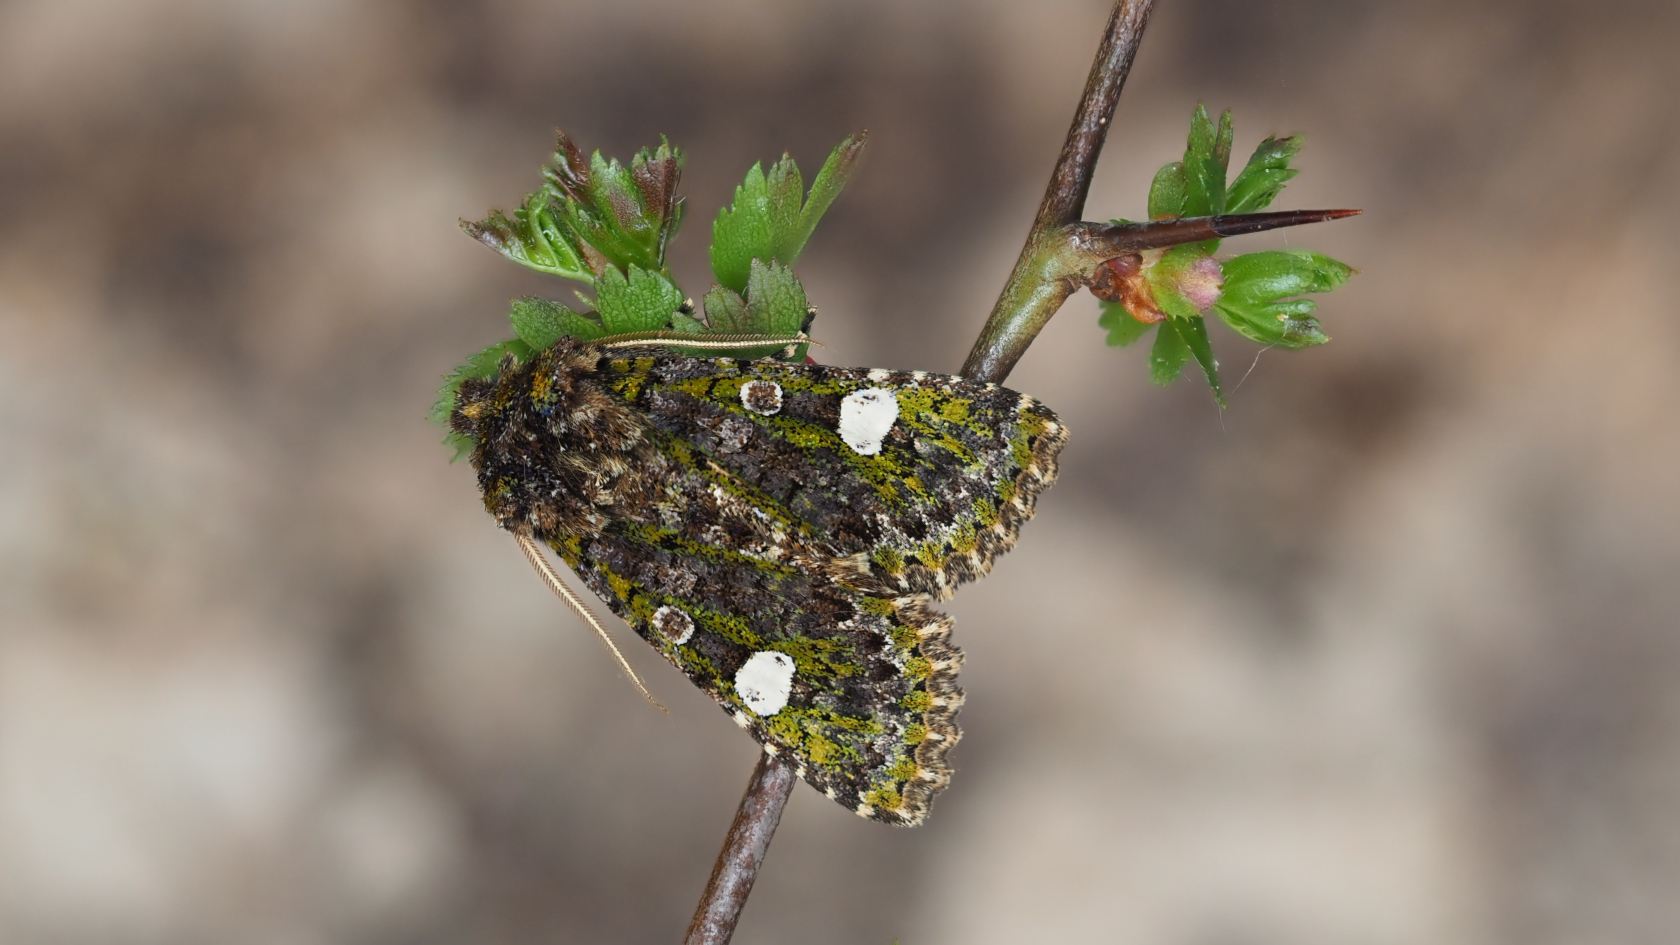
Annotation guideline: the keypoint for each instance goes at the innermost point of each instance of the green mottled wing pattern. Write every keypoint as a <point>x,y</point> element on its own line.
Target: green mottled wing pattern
<point>946,493</point>
<point>869,712</point>
<point>778,532</point>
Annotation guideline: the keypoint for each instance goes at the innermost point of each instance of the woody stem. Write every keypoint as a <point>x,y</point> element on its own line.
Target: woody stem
<point>743,852</point>
<point>1035,290</point>
<point>1043,279</point>
<point>1062,252</point>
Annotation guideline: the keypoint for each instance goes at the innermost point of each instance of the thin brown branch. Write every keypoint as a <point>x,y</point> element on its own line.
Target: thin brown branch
<point>1064,198</point>
<point>1053,263</point>
<point>743,852</point>
<point>1037,287</point>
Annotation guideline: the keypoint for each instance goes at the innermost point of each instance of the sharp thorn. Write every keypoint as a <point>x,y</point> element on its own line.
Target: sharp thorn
<point>1115,239</point>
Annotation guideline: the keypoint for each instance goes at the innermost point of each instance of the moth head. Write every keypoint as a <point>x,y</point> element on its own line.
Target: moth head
<point>473,404</point>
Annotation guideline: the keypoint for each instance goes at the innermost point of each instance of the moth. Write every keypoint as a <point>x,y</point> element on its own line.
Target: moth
<point>779,532</point>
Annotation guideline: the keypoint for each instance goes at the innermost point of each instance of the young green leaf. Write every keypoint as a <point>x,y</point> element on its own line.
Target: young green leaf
<point>620,202</point>
<point>533,238</point>
<point>1257,299</point>
<point>687,324</point>
<point>1207,154</point>
<point>784,191</point>
<point>775,305</point>
<point>775,299</point>
<point>611,220</point>
<point>1195,334</point>
<point>1168,192</point>
<point>656,175</point>
<point>742,232</point>
<point>643,302</point>
<point>771,219</point>
<point>1122,328</point>
<point>836,171</point>
<point>591,217</point>
<point>539,323</point>
<point>1262,179</point>
<point>726,312</point>
<point>1167,357</point>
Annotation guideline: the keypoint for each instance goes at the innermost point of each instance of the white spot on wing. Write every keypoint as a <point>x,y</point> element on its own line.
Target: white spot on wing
<point>764,681</point>
<point>762,397</point>
<point>673,624</point>
<point>879,374</point>
<point>866,416</point>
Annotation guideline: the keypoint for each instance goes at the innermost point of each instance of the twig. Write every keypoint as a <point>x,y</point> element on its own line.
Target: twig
<point>773,780</point>
<point>743,852</point>
<point>1039,284</point>
<point>1060,255</point>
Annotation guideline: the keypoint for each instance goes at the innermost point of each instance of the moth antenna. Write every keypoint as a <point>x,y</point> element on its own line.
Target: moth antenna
<point>551,577</point>
<point>724,342</point>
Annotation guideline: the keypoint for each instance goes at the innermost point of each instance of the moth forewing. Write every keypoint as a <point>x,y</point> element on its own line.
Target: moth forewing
<point>778,532</point>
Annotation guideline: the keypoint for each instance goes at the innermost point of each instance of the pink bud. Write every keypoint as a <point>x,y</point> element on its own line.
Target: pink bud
<point>1201,282</point>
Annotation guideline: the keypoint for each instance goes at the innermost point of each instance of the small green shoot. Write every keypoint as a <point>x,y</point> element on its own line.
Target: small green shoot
<point>608,226</point>
<point>1258,295</point>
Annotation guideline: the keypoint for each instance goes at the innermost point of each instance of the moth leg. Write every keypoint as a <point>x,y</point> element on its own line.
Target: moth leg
<point>550,577</point>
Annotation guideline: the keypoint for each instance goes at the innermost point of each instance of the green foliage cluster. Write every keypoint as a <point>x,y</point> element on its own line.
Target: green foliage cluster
<point>1259,295</point>
<point>608,226</point>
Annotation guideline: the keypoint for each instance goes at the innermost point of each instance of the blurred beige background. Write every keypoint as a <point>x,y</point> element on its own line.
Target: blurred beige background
<point>1384,655</point>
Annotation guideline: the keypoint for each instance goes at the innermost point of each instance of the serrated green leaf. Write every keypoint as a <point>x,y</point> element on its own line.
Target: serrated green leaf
<point>573,325</point>
<point>1284,324</point>
<point>592,216</point>
<point>603,212</point>
<point>643,302</point>
<point>619,201</point>
<point>687,325</point>
<point>771,219</point>
<point>657,174</point>
<point>540,322</point>
<point>742,232</point>
<point>1280,273</point>
<point>1257,299</point>
<point>836,171</point>
<point>533,238</point>
<point>1168,355</point>
<point>726,312</point>
<point>1262,179</point>
<point>784,191</point>
<point>1207,154</point>
<point>536,321</point>
<point>1167,192</point>
<point>775,298</point>
<point>1122,328</point>
<point>775,305</point>
<point>1195,335</point>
